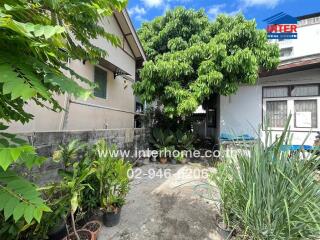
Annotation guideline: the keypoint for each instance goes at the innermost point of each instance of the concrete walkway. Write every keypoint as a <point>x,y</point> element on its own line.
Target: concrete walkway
<point>167,206</point>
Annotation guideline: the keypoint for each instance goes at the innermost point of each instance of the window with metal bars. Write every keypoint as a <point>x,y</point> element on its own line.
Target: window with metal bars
<point>300,100</point>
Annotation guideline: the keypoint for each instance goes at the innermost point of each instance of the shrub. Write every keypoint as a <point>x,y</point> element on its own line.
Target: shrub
<point>267,193</point>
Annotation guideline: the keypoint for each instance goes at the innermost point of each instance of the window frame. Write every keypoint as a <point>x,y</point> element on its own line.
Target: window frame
<point>94,80</point>
<point>317,114</point>
<point>278,100</point>
<point>291,107</point>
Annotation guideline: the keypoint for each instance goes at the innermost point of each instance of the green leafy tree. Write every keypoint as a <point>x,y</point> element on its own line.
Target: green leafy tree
<point>191,58</point>
<point>37,40</point>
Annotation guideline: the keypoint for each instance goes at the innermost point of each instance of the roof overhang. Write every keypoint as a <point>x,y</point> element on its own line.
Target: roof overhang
<point>130,34</point>
<point>294,65</point>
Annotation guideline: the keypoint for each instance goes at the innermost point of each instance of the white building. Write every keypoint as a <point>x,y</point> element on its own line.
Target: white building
<point>293,88</point>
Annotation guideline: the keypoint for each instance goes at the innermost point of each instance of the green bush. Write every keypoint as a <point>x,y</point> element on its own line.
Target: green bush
<point>112,175</point>
<point>267,193</point>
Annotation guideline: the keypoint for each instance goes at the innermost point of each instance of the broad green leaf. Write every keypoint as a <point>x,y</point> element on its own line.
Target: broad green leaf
<point>19,211</point>
<point>11,203</point>
<point>28,213</point>
<point>16,191</point>
<point>67,85</point>
<point>5,158</point>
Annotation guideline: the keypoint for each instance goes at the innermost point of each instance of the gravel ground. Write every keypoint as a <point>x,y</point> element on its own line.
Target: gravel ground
<point>168,206</point>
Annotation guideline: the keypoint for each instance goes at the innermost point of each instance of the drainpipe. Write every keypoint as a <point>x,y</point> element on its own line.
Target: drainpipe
<point>65,111</point>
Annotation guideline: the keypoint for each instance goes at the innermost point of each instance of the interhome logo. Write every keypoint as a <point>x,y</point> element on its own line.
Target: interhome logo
<point>282,26</point>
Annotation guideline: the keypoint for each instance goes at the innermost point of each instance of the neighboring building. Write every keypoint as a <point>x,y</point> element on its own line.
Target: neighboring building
<point>293,88</point>
<point>114,104</point>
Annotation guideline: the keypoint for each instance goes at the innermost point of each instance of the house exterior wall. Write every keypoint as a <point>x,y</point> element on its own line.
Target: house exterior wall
<point>242,113</point>
<point>116,111</point>
<point>307,42</point>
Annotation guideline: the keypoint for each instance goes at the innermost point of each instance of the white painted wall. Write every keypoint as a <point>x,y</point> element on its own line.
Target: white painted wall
<point>306,44</point>
<point>241,113</point>
<point>244,109</point>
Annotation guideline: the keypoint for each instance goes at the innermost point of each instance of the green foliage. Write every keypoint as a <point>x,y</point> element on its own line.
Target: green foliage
<point>161,139</point>
<point>184,140</point>
<point>37,39</point>
<point>165,138</point>
<point>112,174</point>
<point>14,149</point>
<point>268,193</point>
<point>68,153</point>
<point>20,199</point>
<point>192,58</point>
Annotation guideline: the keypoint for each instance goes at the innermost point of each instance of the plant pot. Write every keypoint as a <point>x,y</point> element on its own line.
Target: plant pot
<point>173,161</point>
<point>111,219</point>
<point>58,232</point>
<point>83,234</point>
<point>94,227</point>
<point>183,161</point>
<point>163,160</point>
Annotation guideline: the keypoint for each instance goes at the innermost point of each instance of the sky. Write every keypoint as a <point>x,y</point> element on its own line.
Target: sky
<point>146,10</point>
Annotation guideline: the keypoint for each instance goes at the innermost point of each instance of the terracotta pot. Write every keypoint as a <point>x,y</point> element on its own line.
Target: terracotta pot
<point>111,219</point>
<point>94,227</point>
<point>83,234</point>
<point>184,161</point>
<point>163,160</point>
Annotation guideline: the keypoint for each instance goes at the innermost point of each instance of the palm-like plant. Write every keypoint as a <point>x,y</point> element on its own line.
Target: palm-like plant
<point>184,140</point>
<point>68,153</point>
<point>112,174</point>
<point>162,138</point>
<point>74,184</point>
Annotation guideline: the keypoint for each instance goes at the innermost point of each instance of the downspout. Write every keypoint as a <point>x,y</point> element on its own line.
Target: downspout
<point>65,111</point>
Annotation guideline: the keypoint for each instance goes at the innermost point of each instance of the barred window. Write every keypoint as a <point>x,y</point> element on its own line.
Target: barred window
<point>277,112</point>
<point>300,100</point>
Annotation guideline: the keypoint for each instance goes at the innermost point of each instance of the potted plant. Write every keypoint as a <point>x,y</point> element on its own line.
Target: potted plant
<point>112,174</point>
<point>117,189</point>
<point>163,141</point>
<point>73,184</point>
<point>164,152</point>
<point>181,158</point>
<point>94,227</point>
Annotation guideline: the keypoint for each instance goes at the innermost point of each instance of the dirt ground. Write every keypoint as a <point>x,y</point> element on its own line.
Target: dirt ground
<point>167,202</point>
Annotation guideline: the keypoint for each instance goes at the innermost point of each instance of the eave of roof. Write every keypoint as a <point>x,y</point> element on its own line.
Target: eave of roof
<point>294,65</point>
<point>312,15</point>
<point>130,34</point>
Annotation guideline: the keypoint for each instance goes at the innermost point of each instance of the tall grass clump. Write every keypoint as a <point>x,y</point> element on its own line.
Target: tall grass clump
<point>269,193</point>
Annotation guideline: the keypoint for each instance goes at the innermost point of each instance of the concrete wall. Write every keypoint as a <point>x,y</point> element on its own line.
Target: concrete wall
<point>47,142</point>
<point>242,112</point>
<point>116,111</point>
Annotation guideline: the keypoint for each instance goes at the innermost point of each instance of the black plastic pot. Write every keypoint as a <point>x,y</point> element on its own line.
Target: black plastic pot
<point>58,232</point>
<point>111,219</point>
